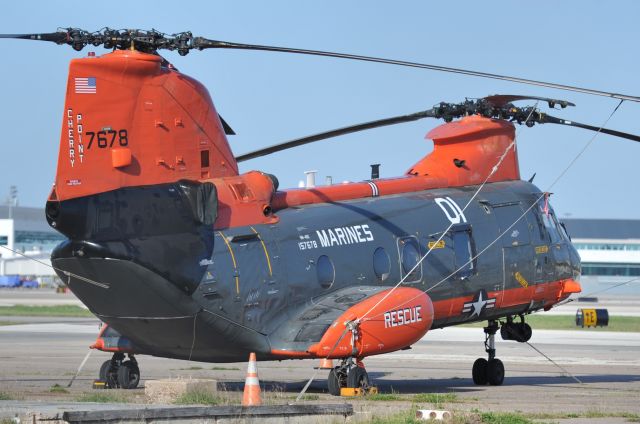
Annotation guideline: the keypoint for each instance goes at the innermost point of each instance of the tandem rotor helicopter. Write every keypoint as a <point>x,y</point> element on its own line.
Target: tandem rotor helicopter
<point>183,257</point>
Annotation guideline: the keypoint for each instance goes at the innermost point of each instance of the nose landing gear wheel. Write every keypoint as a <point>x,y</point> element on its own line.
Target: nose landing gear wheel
<point>492,370</point>
<point>495,372</point>
<point>479,372</point>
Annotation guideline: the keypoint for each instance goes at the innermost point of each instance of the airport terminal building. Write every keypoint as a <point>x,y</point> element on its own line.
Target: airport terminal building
<point>610,253</point>
<point>25,231</point>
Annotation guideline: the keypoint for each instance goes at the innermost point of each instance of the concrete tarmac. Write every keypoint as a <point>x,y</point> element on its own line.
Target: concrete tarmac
<point>559,372</point>
<point>595,372</point>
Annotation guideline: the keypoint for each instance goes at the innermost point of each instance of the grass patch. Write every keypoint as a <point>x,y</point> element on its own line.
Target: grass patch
<point>48,311</point>
<point>191,369</point>
<point>504,418</point>
<point>436,398</point>
<point>225,368</point>
<point>304,397</point>
<point>631,417</point>
<point>433,398</point>
<point>198,398</point>
<point>9,323</point>
<point>56,388</point>
<point>568,322</point>
<point>385,397</point>
<point>407,417</point>
<point>5,396</point>
<point>102,397</point>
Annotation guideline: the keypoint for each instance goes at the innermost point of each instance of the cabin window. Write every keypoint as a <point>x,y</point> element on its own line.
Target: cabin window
<point>409,258</point>
<point>204,158</point>
<point>326,271</point>
<point>381,264</point>
<point>513,224</point>
<point>464,251</point>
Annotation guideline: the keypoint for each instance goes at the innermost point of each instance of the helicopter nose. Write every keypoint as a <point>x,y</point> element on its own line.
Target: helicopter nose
<point>571,286</point>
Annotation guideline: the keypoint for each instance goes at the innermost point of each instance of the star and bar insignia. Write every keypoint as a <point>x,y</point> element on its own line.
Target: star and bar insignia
<point>480,302</point>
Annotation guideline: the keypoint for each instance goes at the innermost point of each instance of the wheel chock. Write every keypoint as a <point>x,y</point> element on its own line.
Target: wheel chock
<point>99,384</point>
<point>358,391</point>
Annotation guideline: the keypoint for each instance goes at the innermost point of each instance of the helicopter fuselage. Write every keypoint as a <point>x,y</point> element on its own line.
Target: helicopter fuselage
<point>179,288</point>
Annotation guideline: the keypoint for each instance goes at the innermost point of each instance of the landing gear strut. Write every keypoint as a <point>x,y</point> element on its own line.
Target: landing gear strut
<point>349,373</point>
<point>118,373</point>
<point>489,370</point>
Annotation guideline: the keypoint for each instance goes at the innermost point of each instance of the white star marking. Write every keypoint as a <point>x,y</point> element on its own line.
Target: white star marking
<point>478,305</point>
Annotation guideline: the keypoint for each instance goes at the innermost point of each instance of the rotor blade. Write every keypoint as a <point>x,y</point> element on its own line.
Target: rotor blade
<point>335,133</point>
<point>56,37</point>
<point>544,119</point>
<point>500,100</point>
<point>203,43</point>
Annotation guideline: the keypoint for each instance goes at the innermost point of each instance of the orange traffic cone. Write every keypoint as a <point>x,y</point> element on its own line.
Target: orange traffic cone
<point>251,396</point>
<point>326,364</point>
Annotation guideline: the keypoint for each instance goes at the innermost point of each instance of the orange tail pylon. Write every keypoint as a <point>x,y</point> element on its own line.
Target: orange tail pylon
<point>251,395</point>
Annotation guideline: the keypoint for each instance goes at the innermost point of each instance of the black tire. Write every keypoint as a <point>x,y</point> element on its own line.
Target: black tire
<point>358,377</point>
<point>128,375</point>
<point>479,372</point>
<point>109,374</point>
<point>104,370</point>
<point>333,382</point>
<point>527,332</point>
<point>495,372</point>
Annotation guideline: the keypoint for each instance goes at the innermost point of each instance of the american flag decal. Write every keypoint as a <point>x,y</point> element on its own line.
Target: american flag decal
<point>85,85</point>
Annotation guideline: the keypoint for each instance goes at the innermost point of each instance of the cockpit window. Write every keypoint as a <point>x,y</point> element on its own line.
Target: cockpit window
<point>549,220</point>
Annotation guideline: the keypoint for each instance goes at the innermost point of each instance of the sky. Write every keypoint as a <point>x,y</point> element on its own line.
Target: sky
<point>273,97</point>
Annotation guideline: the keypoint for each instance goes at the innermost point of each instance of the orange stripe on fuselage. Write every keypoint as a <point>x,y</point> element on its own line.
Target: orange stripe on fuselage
<point>548,293</point>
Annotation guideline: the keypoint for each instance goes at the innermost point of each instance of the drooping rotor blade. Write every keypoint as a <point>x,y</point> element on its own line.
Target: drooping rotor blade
<point>431,113</point>
<point>151,41</point>
<point>203,43</point>
<point>547,119</point>
<point>499,100</point>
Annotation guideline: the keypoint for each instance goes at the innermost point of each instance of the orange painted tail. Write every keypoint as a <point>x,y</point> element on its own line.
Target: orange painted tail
<point>251,396</point>
<point>132,120</point>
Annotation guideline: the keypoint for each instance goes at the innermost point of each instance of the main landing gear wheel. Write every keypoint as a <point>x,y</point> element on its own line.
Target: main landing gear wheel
<point>108,374</point>
<point>118,373</point>
<point>337,379</point>
<point>492,370</point>
<point>348,374</point>
<point>128,375</point>
<point>358,378</point>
